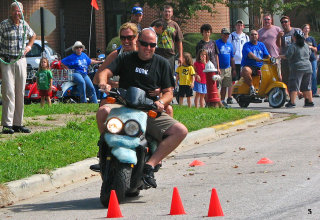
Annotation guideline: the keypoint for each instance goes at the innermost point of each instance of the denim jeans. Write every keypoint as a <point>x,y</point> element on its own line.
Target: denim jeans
<point>84,82</point>
<point>314,77</point>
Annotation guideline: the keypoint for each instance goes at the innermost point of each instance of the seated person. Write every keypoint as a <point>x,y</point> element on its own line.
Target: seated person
<point>148,71</point>
<point>252,54</point>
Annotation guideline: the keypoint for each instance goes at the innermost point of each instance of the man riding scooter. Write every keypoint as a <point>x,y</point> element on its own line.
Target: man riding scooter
<point>252,54</point>
<point>148,71</point>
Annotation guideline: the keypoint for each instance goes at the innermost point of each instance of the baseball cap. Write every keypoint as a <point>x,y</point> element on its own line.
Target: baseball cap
<point>284,17</point>
<point>225,31</point>
<point>239,21</point>
<point>136,10</point>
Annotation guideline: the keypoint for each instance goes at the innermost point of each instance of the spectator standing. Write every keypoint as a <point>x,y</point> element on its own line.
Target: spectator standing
<point>44,81</point>
<point>298,55</point>
<point>170,38</point>
<point>227,65</point>
<point>136,17</point>
<point>200,84</point>
<point>185,75</point>
<point>286,41</point>
<point>238,39</point>
<point>212,54</point>
<point>209,45</point>
<point>14,71</point>
<point>313,58</point>
<point>270,35</point>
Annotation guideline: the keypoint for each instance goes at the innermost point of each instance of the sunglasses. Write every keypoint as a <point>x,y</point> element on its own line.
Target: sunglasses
<point>267,19</point>
<point>129,37</point>
<point>286,21</point>
<point>146,44</point>
<point>78,48</point>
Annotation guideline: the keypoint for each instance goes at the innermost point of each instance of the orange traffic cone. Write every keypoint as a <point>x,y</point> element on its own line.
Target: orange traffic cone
<point>214,207</point>
<point>265,160</point>
<point>196,163</point>
<point>113,207</point>
<point>176,204</point>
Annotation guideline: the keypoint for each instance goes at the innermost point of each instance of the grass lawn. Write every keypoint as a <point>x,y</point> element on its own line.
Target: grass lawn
<point>41,152</point>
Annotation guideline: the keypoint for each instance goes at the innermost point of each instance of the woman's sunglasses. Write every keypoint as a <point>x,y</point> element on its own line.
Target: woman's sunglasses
<point>146,44</point>
<point>129,37</point>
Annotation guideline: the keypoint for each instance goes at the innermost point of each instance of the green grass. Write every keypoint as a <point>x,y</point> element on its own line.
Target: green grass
<point>195,119</point>
<point>60,108</point>
<point>41,152</point>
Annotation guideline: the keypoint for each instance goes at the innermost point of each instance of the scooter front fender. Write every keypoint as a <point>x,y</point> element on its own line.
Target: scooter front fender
<point>276,84</point>
<point>65,86</point>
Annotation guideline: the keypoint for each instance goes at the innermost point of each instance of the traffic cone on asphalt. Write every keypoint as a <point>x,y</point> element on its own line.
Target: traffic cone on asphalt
<point>265,160</point>
<point>214,207</point>
<point>176,204</point>
<point>113,207</point>
<point>196,163</point>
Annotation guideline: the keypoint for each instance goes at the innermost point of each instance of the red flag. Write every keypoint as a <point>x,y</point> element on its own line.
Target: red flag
<point>94,4</point>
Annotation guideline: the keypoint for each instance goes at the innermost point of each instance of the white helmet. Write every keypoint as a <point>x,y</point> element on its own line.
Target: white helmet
<point>209,67</point>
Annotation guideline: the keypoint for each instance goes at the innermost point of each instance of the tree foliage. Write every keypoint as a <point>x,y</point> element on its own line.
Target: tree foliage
<point>183,9</point>
<point>266,6</point>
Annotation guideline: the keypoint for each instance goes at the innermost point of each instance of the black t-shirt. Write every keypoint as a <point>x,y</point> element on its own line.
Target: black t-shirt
<point>147,75</point>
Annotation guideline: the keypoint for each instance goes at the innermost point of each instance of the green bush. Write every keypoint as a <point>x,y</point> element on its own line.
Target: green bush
<point>115,40</point>
<point>191,39</point>
<point>315,35</point>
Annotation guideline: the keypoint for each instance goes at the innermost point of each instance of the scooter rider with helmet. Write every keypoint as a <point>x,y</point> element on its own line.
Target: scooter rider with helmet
<point>149,71</point>
<point>252,54</point>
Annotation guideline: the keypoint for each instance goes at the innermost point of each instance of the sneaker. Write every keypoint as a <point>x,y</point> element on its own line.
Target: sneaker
<point>148,176</point>
<point>316,95</point>
<point>290,105</point>
<point>308,104</point>
<point>252,91</point>
<point>21,129</point>
<point>95,167</point>
<point>7,130</point>
<point>225,104</point>
<point>229,100</point>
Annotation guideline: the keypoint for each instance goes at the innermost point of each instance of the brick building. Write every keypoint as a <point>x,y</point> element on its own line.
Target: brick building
<point>73,20</point>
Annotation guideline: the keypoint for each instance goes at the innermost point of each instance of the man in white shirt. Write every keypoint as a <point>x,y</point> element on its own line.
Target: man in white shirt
<point>237,39</point>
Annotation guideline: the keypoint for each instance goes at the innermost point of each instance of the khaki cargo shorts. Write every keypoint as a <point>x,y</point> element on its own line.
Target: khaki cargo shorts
<point>226,77</point>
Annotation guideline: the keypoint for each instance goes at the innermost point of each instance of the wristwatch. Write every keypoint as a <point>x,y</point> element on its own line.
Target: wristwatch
<point>161,102</point>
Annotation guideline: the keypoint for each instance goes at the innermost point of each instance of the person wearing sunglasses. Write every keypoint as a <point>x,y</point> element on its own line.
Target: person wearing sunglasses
<point>252,54</point>
<point>148,71</point>
<point>80,62</point>
<point>286,41</point>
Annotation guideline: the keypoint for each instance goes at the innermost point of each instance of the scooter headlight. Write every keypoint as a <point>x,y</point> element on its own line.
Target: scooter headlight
<point>132,128</point>
<point>114,125</point>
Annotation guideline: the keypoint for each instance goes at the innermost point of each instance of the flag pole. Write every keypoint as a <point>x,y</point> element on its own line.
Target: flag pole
<point>90,31</point>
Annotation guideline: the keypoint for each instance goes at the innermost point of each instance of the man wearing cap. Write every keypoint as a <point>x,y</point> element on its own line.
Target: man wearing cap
<point>226,61</point>
<point>80,62</point>
<point>286,41</point>
<point>136,16</point>
<point>252,54</point>
<point>13,48</point>
<point>238,39</point>
<point>170,38</point>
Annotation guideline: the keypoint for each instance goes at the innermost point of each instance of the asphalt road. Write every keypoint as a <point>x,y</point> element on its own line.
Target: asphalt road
<point>286,189</point>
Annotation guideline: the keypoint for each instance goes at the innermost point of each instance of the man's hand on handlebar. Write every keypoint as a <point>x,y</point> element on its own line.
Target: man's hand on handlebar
<point>104,87</point>
<point>160,106</point>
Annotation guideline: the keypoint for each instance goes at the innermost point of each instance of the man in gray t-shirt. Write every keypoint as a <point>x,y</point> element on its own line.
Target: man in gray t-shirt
<point>286,41</point>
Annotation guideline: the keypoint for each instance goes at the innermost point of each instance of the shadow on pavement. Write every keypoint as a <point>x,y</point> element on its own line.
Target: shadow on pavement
<point>83,204</point>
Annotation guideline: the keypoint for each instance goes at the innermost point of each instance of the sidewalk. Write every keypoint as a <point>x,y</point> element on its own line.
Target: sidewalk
<point>26,188</point>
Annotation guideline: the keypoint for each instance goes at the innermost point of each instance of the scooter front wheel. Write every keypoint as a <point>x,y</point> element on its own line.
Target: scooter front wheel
<point>277,97</point>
